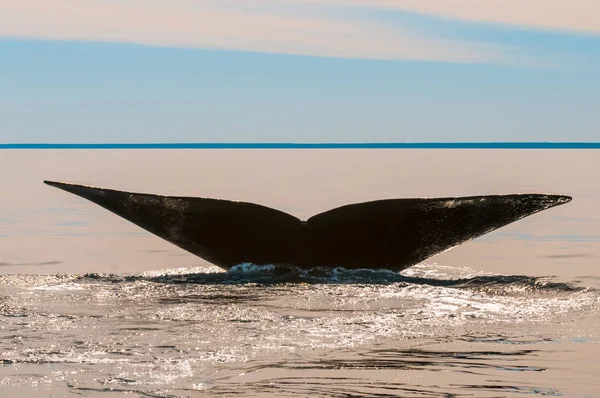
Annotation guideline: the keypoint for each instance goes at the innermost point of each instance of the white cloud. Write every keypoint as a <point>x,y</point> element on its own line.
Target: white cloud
<point>252,25</point>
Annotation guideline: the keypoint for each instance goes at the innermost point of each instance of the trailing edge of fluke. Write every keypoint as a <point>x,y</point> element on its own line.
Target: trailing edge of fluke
<point>385,234</point>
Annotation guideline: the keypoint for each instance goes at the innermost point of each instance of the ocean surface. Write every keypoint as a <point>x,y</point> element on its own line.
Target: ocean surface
<point>92,306</point>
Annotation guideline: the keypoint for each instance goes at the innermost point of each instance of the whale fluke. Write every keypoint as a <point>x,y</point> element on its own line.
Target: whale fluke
<point>390,234</point>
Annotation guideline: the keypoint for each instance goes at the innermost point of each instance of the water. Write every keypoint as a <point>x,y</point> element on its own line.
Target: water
<point>91,305</point>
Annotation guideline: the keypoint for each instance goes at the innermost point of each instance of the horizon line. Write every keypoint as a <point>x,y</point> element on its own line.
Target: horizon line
<point>330,145</point>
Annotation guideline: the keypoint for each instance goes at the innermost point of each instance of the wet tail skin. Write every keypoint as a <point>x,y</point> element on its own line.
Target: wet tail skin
<point>385,234</point>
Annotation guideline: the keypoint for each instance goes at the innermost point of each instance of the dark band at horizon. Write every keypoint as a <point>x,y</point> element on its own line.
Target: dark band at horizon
<point>275,145</point>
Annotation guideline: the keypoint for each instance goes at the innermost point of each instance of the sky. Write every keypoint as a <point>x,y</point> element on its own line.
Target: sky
<point>114,71</point>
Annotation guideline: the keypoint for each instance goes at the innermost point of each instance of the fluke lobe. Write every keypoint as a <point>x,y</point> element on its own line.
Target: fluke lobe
<point>386,234</point>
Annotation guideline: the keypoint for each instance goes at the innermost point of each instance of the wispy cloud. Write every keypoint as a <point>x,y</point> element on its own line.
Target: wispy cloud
<point>302,27</point>
<point>582,16</point>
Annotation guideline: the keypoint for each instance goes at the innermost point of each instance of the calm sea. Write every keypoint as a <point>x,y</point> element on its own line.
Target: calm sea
<point>92,306</point>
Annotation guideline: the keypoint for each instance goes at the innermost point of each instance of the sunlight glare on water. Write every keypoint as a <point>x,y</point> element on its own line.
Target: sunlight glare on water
<point>97,306</point>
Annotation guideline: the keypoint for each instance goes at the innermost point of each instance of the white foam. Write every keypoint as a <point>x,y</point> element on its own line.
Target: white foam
<point>437,271</point>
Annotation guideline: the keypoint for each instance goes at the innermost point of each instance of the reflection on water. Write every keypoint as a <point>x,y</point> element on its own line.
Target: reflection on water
<point>300,378</point>
<point>92,305</point>
<point>256,331</point>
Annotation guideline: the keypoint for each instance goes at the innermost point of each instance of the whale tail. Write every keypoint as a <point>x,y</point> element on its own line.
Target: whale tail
<point>392,234</point>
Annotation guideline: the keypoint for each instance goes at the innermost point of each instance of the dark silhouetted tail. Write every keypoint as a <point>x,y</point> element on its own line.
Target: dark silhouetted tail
<point>391,234</point>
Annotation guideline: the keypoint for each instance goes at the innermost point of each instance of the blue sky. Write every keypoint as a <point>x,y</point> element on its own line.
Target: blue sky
<point>299,71</point>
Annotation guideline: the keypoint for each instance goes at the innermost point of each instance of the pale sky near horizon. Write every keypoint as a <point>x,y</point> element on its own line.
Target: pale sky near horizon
<point>299,70</point>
